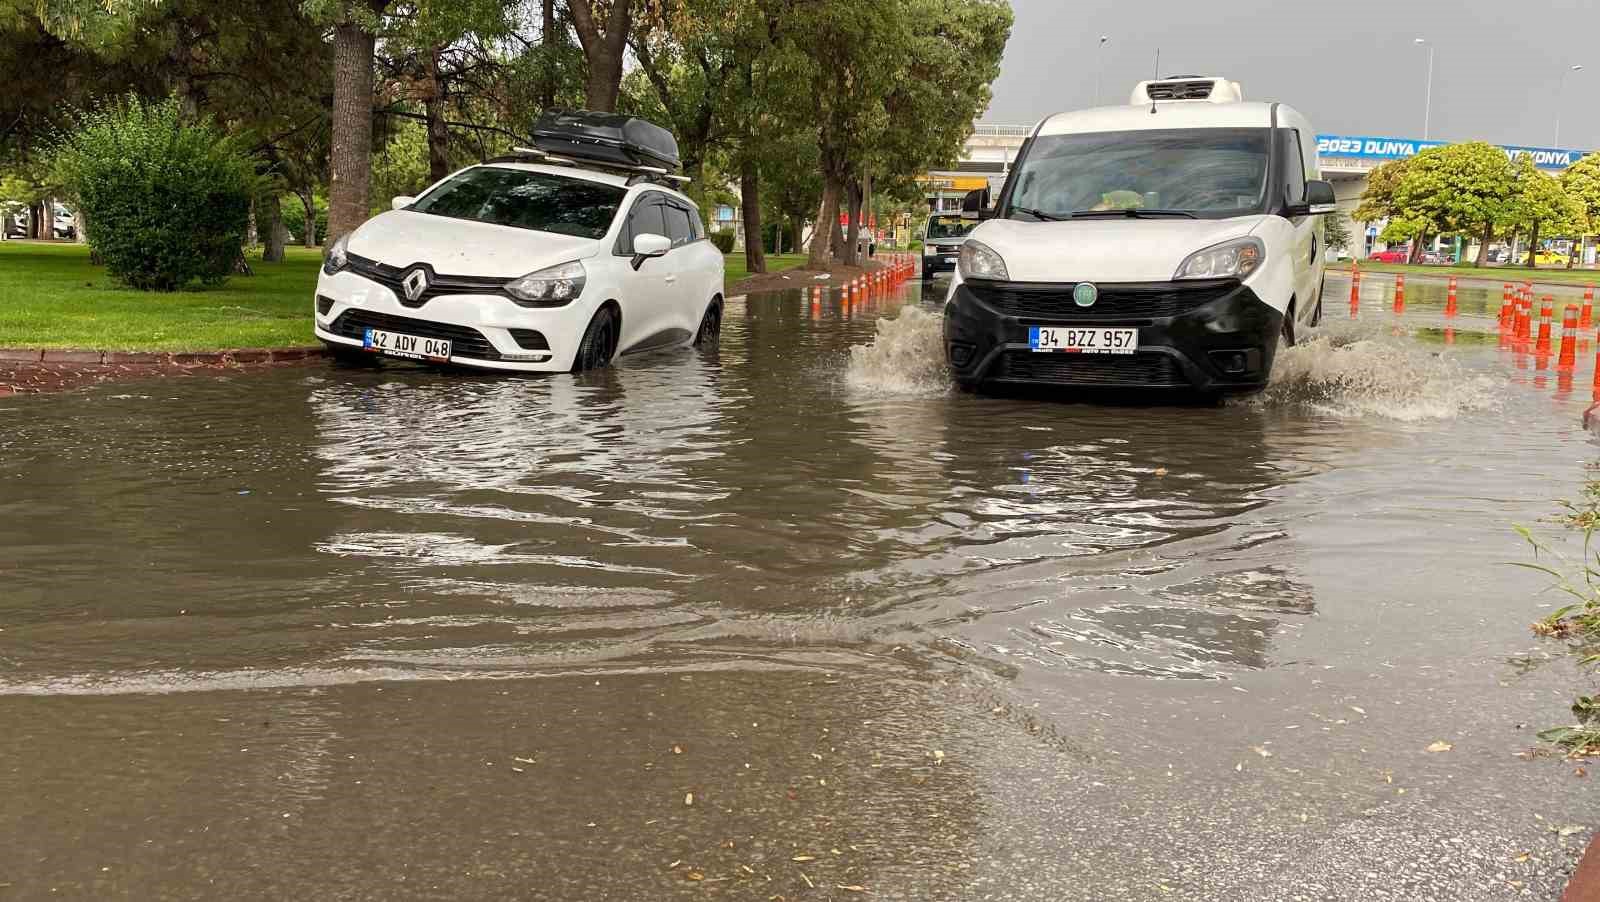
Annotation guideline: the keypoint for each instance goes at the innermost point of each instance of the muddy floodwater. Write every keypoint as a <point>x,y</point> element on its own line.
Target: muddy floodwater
<point>789,620</point>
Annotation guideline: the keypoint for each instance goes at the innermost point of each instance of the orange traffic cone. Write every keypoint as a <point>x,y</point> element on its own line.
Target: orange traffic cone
<point>1569,340</point>
<point>1400,293</point>
<point>1586,318</point>
<point>1542,347</point>
<point>1450,299</point>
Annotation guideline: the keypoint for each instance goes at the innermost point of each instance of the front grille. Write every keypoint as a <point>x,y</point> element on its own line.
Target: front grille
<point>439,284</point>
<point>1117,302</point>
<point>529,339</point>
<point>1180,90</point>
<point>1111,370</point>
<point>464,341</point>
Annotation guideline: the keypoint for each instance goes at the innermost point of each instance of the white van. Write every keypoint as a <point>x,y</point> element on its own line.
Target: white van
<point>1171,243</point>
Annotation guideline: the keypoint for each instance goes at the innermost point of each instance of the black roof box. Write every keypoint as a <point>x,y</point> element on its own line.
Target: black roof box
<point>606,138</point>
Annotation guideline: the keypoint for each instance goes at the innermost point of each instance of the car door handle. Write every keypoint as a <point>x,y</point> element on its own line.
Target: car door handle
<point>670,279</point>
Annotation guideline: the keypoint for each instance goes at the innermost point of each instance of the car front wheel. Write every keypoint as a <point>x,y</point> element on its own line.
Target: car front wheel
<point>599,342</point>
<point>710,332</point>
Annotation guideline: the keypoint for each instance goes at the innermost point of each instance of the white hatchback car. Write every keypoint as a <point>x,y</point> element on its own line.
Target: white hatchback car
<point>549,266</point>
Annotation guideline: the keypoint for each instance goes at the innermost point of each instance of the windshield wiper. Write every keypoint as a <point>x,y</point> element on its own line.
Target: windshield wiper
<point>1137,213</point>
<point>1039,214</point>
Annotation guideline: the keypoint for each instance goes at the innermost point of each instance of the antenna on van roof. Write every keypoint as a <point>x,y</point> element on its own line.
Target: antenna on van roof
<point>1156,77</point>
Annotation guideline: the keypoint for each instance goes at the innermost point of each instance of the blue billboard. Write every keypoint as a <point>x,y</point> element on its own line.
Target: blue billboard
<point>1362,147</point>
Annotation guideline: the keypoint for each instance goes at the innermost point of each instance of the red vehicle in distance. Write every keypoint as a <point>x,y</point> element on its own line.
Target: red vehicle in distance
<point>1390,256</point>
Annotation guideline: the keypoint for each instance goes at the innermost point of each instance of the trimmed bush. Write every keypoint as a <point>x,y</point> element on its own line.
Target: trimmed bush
<point>166,201</point>
<point>723,239</point>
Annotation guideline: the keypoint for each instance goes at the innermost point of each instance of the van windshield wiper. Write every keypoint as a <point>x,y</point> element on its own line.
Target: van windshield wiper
<point>1134,213</point>
<point>1039,214</point>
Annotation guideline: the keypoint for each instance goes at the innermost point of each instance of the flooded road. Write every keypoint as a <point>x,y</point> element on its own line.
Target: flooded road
<point>791,620</point>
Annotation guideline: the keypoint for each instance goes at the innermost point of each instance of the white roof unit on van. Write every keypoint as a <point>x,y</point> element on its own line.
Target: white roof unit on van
<point>1187,88</point>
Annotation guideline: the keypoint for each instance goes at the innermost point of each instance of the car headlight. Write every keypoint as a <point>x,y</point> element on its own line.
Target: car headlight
<point>979,261</point>
<point>338,254</point>
<point>1237,258</point>
<point>929,250</point>
<point>553,286</point>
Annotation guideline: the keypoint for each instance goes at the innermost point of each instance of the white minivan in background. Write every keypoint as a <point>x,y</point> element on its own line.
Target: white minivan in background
<point>1172,243</point>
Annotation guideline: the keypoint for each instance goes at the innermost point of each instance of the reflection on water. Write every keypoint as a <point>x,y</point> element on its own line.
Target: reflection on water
<point>810,493</point>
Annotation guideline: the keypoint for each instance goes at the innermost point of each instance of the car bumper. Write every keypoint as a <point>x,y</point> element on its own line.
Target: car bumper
<point>938,263</point>
<point>486,331</point>
<point>1209,337</point>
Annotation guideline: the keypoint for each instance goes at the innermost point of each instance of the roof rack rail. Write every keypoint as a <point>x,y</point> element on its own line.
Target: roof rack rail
<point>637,173</point>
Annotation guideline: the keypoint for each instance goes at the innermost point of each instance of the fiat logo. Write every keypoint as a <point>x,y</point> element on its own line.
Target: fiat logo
<point>416,282</point>
<point>1084,294</point>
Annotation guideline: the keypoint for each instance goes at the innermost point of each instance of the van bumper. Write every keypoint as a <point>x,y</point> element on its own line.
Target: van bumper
<point>1210,336</point>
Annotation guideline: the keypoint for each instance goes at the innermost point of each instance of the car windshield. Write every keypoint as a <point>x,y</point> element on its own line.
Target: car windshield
<point>1210,173</point>
<point>526,200</point>
<point>949,227</point>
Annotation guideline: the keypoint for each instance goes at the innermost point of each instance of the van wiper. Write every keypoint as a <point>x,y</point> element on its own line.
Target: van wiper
<point>1039,214</point>
<point>1139,213</point>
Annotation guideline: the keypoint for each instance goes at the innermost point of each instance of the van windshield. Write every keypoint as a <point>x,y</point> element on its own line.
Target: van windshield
<point>1211,173</point>
<point>526,200</point>
<point>943,227</point>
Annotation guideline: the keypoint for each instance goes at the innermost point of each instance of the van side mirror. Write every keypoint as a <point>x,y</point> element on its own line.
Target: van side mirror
<point>647,245</point>
<point>1319,198</point>
<point>401,202</point>
<point>977,205</point>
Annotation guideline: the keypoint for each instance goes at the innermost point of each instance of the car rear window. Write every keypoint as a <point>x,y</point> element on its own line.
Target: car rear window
<point>526,200</point>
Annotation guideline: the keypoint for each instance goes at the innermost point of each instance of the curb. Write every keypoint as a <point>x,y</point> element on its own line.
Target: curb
<point>233,356</point>
<point>1585,883</point>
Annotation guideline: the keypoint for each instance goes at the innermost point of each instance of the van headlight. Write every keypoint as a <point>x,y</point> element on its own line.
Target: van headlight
<point>338,254</point>
<point>553,286</point>
<point>1237,258</point>
<point>979,261</point>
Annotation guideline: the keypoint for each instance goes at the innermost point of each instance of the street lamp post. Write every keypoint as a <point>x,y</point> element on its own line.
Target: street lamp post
<point>1561,93</point>
<point>1099,61</point>
<point>1427,108</point>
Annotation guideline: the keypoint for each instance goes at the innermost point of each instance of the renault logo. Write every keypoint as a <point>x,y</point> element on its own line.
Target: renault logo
<point>416,282</point>
<point>1084,294</point>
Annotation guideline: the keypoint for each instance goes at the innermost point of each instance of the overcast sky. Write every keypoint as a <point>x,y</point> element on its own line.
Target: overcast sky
<point>1350,65</point>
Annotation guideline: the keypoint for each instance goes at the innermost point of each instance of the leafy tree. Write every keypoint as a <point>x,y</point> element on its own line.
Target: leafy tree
<point>167,198</point>
<point>1582,183</point>
<point>1540,202</point>
<point>1336,234</point>
<point>1378,200</point>
<point>1457,188</point>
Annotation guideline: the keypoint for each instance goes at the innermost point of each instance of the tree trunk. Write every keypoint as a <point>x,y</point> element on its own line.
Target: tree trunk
<point>271,224</point>
<point>866,212</point>
<point>309,237</point>
<point>549,44</point>
<point>1415,256</point>
<point>43,221</point>
<point>602,50</point>
<point>852,238</point>
<point>821,255</point>
<point>1533,246</point>
<point>351,156</point>
<point>755,258</point>
<point>1483,245</point>
<point>438,132</point>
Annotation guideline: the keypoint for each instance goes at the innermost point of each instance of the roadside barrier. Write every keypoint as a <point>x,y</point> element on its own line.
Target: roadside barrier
<point>1546,310</point>
<point>1568,358</point>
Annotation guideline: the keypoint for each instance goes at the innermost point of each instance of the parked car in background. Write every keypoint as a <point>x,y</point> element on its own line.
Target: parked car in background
<point>1549,258</point>
<point>1392,255</point>
<point>1438,258</point>
<point>66,224</point>
<point>941,241</point>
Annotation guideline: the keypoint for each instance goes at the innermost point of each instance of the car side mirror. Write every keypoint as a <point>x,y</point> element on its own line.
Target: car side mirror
<point>1319,198</point>
<point>977,205</point>
<point>649,245</point>
<point>401,202</point>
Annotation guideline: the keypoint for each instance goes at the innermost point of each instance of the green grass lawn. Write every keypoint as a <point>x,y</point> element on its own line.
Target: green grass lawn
<point>1551,274</point>
<point>52,297</point>
<point>735,269</point>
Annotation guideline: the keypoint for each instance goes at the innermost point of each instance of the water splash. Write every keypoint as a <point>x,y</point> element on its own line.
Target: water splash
<point>906,357</point>
<point>1355,374</point>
